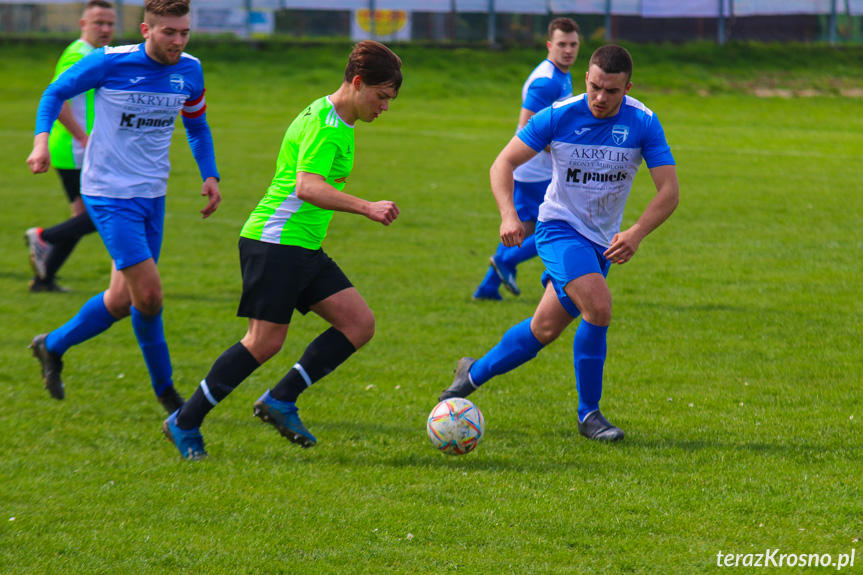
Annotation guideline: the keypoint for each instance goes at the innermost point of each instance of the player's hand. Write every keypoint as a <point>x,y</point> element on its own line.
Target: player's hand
<point>40,158</point>
<point>511,232</point>
<point>383,212</point>
<point>623,247</point>
<point>211,190</point>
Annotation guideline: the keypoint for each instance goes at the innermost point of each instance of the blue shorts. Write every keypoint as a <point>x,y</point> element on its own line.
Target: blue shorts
<point>527,197</point>
<point>567,255</point>
<point>131,228</point>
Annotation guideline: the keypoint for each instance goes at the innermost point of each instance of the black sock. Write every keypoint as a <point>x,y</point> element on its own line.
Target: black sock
<point>229,371</point>
<point>72,229</point>
<point>328,351</point>
<point>63,237</point>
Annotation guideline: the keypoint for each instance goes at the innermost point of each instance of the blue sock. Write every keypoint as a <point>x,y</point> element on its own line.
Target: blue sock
<point>151,339</point>
<point>490,283</point>
<point>588,356</point>
<point>92,319</point>
<point>517,346</point>
<point>514,255</point>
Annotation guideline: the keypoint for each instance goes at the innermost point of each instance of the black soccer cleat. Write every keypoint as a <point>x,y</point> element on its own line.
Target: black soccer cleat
<point>171,400</point>
<point>461,384</point>
<point>52,367</point>
<point>595,426</point>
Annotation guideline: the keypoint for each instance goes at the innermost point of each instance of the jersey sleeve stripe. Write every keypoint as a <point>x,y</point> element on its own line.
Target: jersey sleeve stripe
<point>195,108</point>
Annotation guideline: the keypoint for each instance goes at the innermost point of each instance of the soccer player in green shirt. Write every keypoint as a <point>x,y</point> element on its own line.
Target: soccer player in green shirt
<point>50,247</point>
<point>283,265</point>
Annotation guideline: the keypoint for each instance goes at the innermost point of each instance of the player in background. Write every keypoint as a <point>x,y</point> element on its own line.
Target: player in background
<point>50,247</point>
<point>283,265</point>
<point>140,90</point>
<point>550,82</point>
<point>598,140</point>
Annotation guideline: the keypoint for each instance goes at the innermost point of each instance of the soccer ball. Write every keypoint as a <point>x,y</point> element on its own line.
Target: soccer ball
<point>455,426</point>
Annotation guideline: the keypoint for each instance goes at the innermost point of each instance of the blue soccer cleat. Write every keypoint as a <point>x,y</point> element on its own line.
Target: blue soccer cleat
<point>506,275</point>
<point>190,443</point>
<point>283,415</point>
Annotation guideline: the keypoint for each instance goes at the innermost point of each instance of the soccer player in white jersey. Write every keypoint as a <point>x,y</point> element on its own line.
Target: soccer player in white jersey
<point>50,247</point>
<point>140,90</point>
<point>598,140</point>
<point>550,82</point>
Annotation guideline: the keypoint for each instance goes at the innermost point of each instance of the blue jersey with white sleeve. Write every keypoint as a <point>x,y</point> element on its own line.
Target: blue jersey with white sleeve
<point>137,101</point>
<point>545,86</point>
<point>594,161</point>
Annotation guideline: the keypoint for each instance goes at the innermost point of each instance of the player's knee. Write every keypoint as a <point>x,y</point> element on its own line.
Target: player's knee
<point>150,302</point>
<point>361,330</point>
<point>545,332</point>
<point>599,314</point>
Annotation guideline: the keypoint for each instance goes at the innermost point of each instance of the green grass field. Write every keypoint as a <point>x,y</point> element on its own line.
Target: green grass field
<point>734,364</point>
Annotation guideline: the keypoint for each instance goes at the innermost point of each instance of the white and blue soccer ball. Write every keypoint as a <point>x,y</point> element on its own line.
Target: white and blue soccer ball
<point>455,426</point>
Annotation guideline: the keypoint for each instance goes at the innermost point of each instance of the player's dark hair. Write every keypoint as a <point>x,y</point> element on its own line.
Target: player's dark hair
<point>565,25</point>
<point>166,7</point>
<point>612,59</point>
<point>375,64</point>
<point>98,4</point>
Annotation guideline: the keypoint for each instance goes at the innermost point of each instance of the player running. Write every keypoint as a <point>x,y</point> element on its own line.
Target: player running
<point>140,90</point>
<point>550,82</point>
<point>283,265</point>
<point>598,140</point>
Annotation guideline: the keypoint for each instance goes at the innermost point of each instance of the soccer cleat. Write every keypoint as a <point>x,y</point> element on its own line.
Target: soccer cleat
<point>189,442</point>
<point>284,417</point>
<point>486,294</point>
<point>595,426</point>
<point>171,400</point>
<point>39,250</point>
<point>52,366</point>
<point>506,275</point>
<point>461,384</point>
<point>37,285</point>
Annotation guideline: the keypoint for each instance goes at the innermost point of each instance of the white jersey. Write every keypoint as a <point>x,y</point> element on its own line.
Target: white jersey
<point>545,86</point>
<point>136,106</point>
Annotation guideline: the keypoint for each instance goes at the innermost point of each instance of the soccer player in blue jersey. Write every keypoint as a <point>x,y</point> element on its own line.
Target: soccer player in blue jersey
<point>598,140</point>
<point>550,82</point>
<point>50,247</point>
<point>140,90</point>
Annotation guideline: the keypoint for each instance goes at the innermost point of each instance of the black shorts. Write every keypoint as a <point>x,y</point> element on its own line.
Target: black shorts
<point>278,279</point>
<point>71,183</point>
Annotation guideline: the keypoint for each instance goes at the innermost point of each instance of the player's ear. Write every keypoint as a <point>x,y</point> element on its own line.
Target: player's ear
<point>145,30</point>
<point>357,82</point>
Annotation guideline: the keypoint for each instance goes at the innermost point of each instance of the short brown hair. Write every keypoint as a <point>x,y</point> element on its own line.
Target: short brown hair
<point>565,25</point>
<point>98,4</point>
<point>613,59</point>
<point>166,7</point>
<point>375,64</point>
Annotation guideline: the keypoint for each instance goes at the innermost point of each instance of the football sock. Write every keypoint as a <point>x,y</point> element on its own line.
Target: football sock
<point>490,283</point>
<point>229,371</point>
<point>151,339</point>
<point>514,255</point>
<point>517,346</point>
<point>588,355</point>
<point>63,237</point>
<point>328,351</point>
<point>92,319</point>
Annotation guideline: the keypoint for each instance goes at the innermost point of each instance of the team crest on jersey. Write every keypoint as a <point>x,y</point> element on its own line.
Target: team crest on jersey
<point>177,83</point>
<point>619,133</point>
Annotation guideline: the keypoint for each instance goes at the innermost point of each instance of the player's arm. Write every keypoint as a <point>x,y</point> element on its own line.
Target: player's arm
<point>201,142</point>
<point>81,77</point>
<point>625,244</point>
<point>68,120</point>
<point>524,117</point>
<point>313,188</point>
<point>512,156</point>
